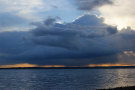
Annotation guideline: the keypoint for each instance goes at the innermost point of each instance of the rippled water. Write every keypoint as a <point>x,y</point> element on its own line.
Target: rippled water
<point>65,79</point>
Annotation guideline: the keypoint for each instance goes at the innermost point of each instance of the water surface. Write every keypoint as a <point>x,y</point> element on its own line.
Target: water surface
<point>65,79</point>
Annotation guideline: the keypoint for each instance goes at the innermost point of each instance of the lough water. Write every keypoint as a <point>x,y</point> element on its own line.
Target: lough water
<point>65,79</point>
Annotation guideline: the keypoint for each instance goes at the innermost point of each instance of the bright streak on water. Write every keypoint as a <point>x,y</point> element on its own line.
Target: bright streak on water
<point>65,79</point>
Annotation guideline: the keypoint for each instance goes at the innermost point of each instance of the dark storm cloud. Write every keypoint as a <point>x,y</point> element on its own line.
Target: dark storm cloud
<point>76,40</point>
<point>66,44</point>
<point>90,4</point>
<point>73,35</point>
<point>126,39</point>
<point>87,39</point>
<point>50,21</point>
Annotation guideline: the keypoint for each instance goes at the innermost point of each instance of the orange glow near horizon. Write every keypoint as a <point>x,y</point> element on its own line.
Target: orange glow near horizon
<point>21,65</point>
<point>47,66</point>
<point>109,65</point>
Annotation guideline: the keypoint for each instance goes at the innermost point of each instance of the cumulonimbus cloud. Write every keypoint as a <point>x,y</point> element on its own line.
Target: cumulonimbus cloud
<point>72,35</point>
<point>67,44</point>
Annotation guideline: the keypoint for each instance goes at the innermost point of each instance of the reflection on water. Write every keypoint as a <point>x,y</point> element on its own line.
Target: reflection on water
<point>65,79</point>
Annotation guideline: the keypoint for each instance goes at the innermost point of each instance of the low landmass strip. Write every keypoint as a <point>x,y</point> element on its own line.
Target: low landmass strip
<point>112,67</point>
<point>121,88</point>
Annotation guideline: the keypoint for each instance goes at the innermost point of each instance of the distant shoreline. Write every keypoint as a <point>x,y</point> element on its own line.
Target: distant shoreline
<point>121,88</point>
<point>114,67</point>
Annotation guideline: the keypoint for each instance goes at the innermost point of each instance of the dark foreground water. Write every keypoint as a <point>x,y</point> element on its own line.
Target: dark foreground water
<point>65,79</point>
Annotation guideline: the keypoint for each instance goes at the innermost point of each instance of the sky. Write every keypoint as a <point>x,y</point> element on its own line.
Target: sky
<point>67,32</point>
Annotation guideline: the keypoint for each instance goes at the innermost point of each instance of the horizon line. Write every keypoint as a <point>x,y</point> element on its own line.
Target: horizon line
<point>27,65</point>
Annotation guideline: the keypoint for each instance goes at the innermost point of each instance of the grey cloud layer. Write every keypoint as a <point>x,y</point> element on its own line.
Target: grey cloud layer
<point>90,4</point>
